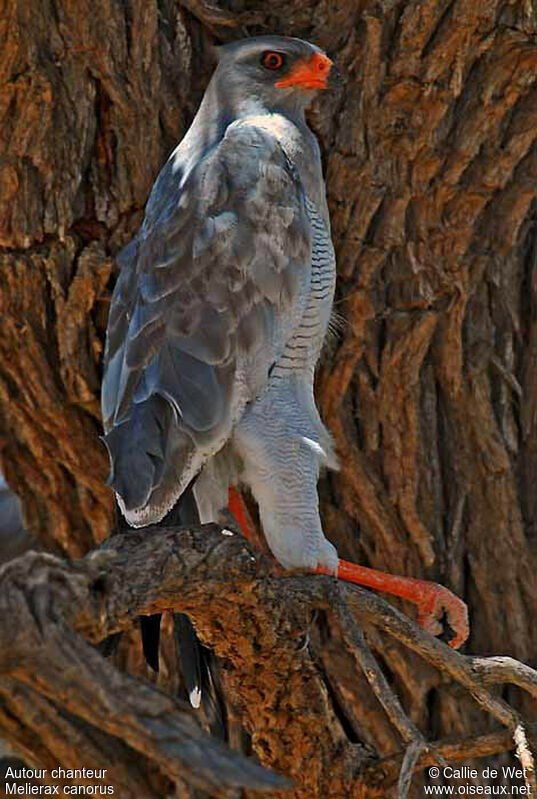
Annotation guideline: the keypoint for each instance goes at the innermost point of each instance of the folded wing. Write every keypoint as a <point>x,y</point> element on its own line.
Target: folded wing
<point>208,294</point>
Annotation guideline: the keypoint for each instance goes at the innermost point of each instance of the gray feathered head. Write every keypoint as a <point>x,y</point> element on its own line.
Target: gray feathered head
<point>279,71</point>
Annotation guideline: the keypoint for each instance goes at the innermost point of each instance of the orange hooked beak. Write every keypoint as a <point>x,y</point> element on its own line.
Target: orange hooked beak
<point>311,74</point>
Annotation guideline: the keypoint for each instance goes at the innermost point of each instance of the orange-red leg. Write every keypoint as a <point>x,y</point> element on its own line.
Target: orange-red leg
<point>237,506</point>
<point>432,600</point>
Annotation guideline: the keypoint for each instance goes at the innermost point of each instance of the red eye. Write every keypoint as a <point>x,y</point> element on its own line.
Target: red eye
<point>272,60</point>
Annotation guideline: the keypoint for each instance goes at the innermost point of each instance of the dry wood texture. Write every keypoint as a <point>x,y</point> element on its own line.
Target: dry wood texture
<point>61,700</point>
<point>430,389</point>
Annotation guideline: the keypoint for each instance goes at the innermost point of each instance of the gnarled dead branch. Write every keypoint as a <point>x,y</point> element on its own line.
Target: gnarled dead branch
<point>256,623</point>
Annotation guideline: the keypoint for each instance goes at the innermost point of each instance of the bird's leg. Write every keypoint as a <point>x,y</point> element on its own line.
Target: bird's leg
<point>433,601</point>
<point>237,506</point>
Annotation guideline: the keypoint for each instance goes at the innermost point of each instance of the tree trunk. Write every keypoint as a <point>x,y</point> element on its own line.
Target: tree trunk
<point>428,388</point>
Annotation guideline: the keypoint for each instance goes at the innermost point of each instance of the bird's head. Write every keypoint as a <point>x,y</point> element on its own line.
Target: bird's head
<point>276,71</point>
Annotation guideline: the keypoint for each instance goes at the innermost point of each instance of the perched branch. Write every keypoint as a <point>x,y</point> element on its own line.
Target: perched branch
<point>45,656</point>
<point>256,622</point>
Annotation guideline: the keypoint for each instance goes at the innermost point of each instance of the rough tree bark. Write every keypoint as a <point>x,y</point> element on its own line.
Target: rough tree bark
<point>429,389</point>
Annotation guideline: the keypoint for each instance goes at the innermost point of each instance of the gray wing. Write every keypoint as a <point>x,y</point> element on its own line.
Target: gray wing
<point>205,301</point>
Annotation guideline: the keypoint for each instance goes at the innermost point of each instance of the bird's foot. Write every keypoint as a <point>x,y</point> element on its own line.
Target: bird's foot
<point>437,606</point>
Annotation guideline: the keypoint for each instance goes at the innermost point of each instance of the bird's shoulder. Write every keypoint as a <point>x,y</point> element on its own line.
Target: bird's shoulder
<point>254,156</point>
<point>278,139</point>
<point>274,129</point>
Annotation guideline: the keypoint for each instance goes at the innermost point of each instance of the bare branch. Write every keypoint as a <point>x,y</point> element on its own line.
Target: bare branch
<point>375,611</point>
<point>357,646</point>
<point>256,622</point>
<point>495,670</point>
<point>386,772</point>
<point>44,654</point>
<point>408,767</point>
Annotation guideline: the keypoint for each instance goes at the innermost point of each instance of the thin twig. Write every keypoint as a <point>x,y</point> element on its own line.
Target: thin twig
<point>408,767</point>
<point>359,650</point>
<point>525,756</point>
<point>386,771</point>
<point>375,611</point>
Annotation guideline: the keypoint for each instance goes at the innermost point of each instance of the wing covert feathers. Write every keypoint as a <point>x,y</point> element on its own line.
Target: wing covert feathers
<point>207,293</point>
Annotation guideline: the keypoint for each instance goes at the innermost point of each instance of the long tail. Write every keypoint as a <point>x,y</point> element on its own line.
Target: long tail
<point>183,514</point>
<point>197,664</point>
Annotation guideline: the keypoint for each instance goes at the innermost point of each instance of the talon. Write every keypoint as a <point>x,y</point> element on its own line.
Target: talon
<point>438,603</point>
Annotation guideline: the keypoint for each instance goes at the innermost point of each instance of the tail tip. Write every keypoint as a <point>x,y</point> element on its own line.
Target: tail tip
<point>195,697</point>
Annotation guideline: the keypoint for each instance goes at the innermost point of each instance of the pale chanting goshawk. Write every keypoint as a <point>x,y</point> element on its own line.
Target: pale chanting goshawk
<point>218,319</point>
<point>221,308</point>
